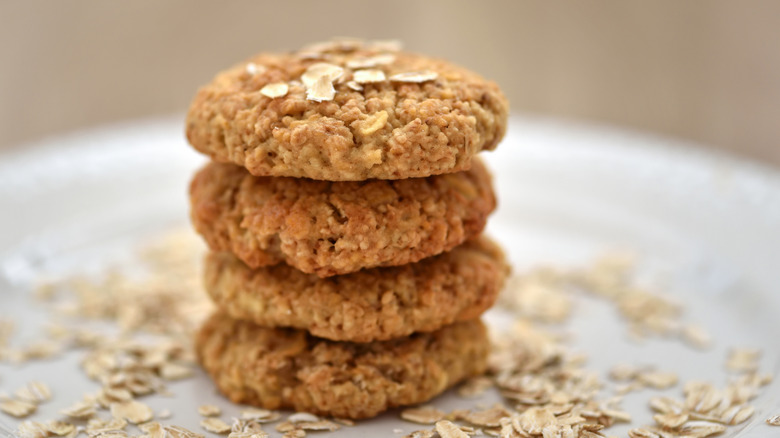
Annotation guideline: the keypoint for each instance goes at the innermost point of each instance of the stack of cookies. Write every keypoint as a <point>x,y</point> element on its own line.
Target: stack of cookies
<point>343,209</point>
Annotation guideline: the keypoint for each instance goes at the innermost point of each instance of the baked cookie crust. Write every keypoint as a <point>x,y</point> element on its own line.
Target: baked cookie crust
<point>388,115</point>
<point>334,228</point>
<point>369,305</point>
<point>286,368</point>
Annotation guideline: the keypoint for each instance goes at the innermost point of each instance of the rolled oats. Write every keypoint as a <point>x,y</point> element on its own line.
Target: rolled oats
<point>80,410</point>
<point>209,411</point>
<point>371,61</point>
<point>153,429</point>
<point>743,359</point>
<point>421,434</point>
<point>487,418</point>
<point>254,69</point>
<point>696,336</point>
<point>643,433</point>
<point>321,71</point>
<point>447,429</point>
<point>369,76</point>
<point>215,425</point>
<point>354,86</point>
<point>414,76</point>
<point>737,414</point>
<point>32,429</point>
<point>261,415</point>
<point>18,408</point>
<point>701,428</point>
<point>423,415</point>
<point>34,392</point>
<point>132,411</point>
<point>275,89</point>
<point>60,428</point>
<point>322,90</point>
<point>671,420</point>
<point>320,425</point>
<point>98,426</point>
<point>181,432</point>
<point>302,417</point>
<point>533,420</point>
<point>658,379</point>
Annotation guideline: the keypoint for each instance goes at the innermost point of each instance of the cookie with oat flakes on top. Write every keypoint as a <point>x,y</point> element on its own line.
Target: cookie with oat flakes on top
<point>365,306</point>
<point>347,111</point>
<point>286,368</point>
<point>333,228</point>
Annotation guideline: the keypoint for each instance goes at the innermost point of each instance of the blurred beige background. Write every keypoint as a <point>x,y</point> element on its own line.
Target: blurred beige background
<point>702,70</point>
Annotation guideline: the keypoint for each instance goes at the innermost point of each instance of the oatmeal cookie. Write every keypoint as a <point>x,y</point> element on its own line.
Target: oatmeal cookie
<point>347,111</point>
<point>333,228</point>
<point>288,368</point>
<point>368,305</point>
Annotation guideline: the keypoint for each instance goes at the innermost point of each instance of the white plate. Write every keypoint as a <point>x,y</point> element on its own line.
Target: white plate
<point>709,224</point>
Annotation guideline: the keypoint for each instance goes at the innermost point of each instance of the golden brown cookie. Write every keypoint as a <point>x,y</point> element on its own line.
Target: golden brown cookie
<point>347,111</point>
<point>331,228</point>
<point>368,305</point>
<point>287,368</point>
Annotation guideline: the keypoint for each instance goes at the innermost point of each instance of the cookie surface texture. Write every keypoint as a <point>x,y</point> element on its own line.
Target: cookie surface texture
<point>334,228</point>
<point>286,368</point>
<point>365,306</point>
<point>347,112</point>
